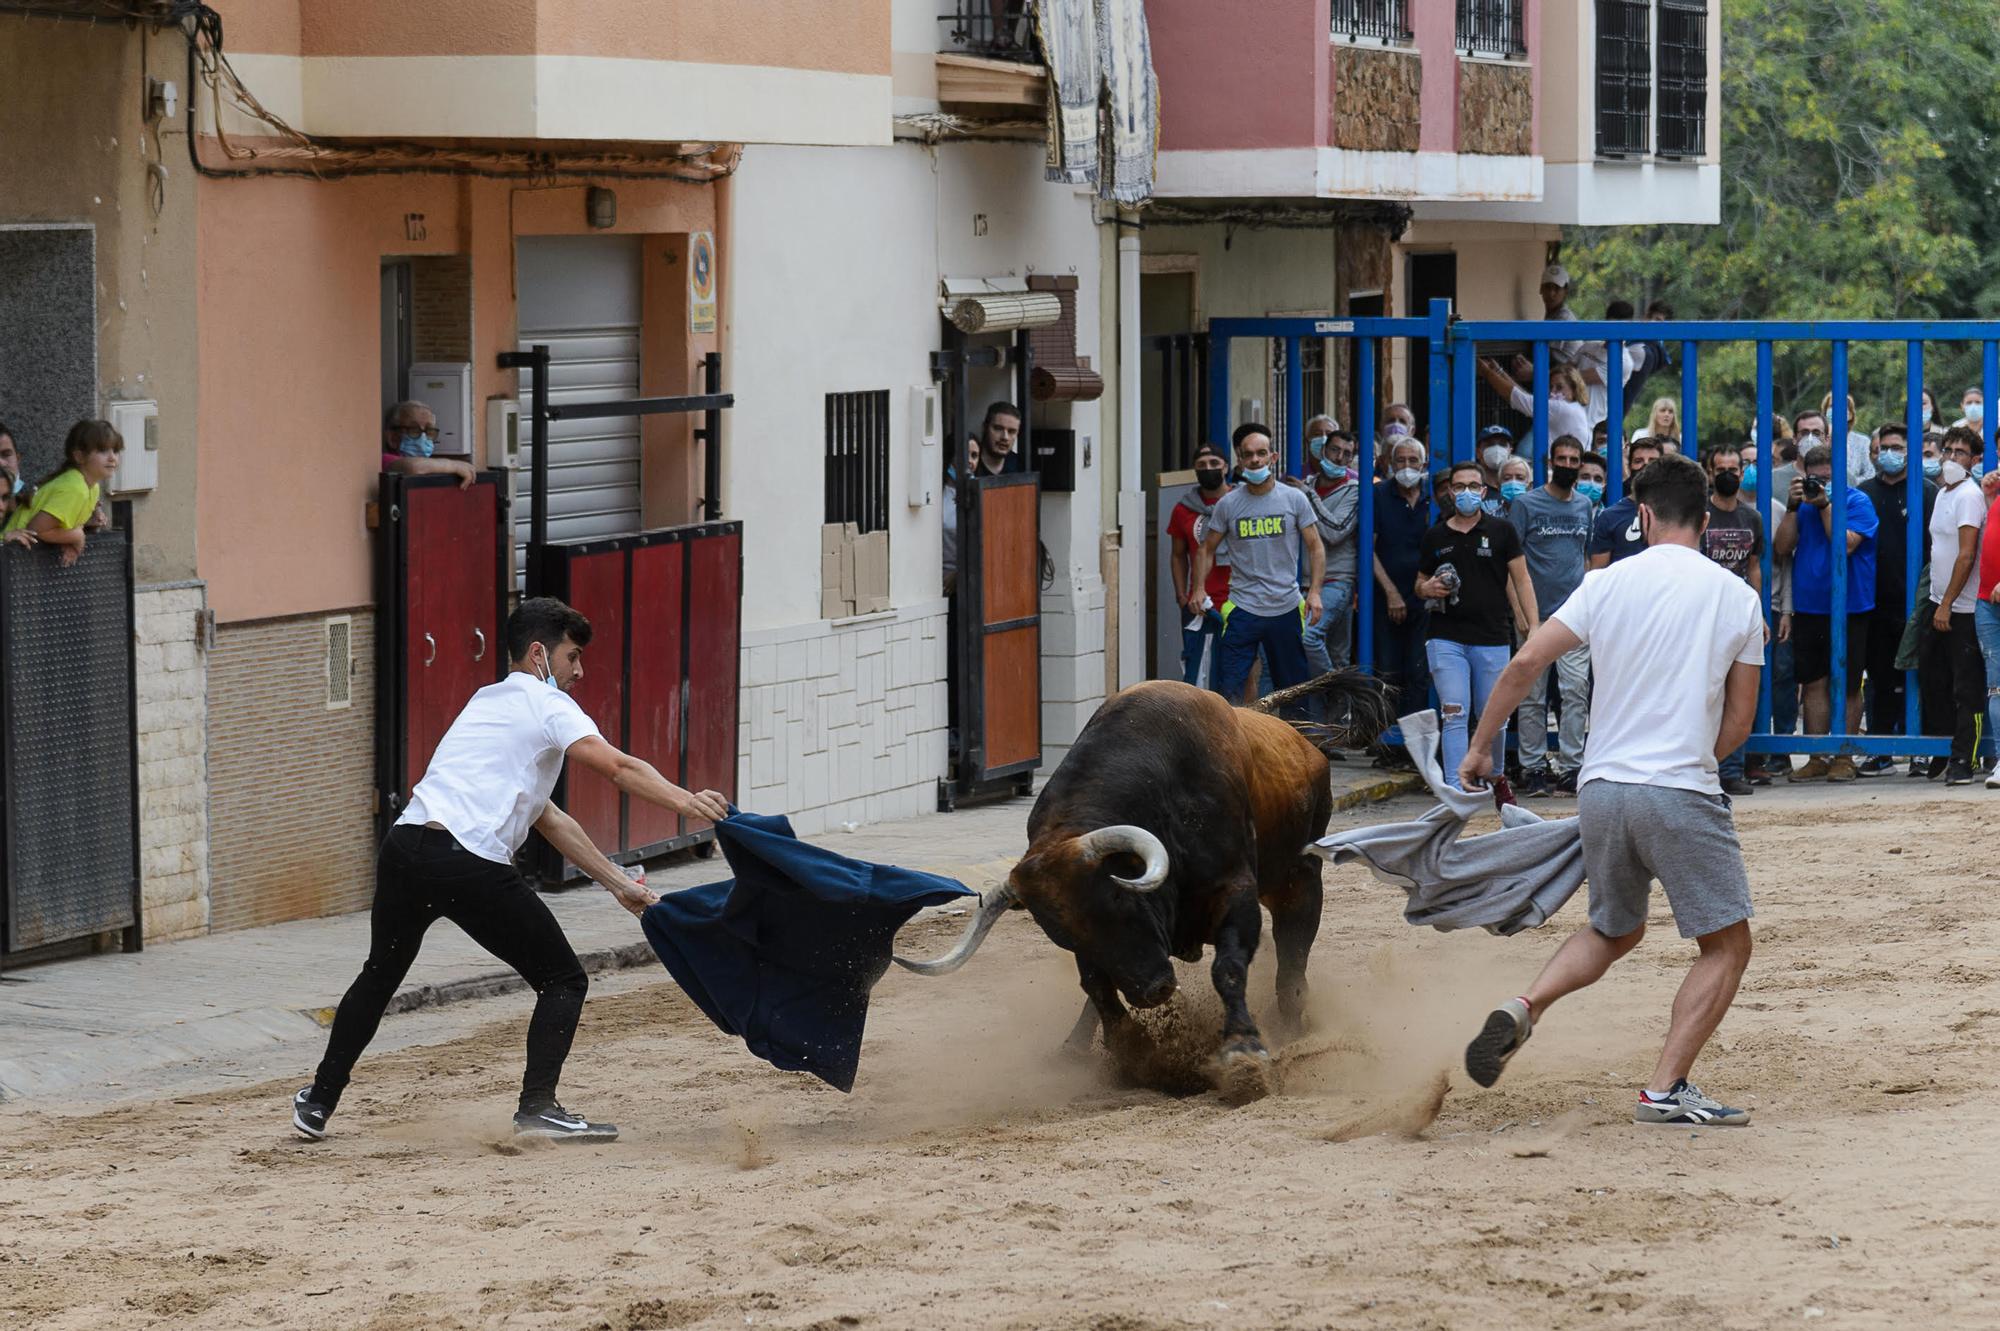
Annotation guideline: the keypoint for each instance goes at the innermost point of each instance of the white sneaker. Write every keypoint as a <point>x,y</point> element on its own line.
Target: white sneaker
<point>1993,780</point>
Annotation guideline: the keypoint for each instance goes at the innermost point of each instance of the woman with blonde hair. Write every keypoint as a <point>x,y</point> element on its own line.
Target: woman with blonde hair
<point>1664,424</point>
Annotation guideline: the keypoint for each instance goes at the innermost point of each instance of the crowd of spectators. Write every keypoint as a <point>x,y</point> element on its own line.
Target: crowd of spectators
<point>1468,558</point>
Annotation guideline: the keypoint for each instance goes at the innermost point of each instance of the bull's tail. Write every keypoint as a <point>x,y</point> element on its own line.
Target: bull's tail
<point>1356,706</point>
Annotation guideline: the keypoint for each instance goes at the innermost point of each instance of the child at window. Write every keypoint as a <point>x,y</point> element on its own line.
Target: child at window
<point>68,499</point>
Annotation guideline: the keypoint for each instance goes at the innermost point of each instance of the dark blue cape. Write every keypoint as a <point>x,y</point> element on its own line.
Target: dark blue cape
<point>785,953</point>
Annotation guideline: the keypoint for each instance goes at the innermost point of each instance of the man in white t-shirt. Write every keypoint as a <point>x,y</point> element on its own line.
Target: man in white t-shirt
<point>451,856</point>
<point>1951,673</point>
<point>1649,803</point>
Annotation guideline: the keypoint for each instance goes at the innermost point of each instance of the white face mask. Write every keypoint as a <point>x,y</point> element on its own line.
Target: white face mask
<point>1496,455</point>
<point>1952,472</point>
<point>1409,477</point>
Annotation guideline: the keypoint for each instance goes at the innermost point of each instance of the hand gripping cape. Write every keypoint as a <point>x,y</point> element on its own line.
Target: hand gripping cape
<point>784,954</point>
<point>1503,882</point>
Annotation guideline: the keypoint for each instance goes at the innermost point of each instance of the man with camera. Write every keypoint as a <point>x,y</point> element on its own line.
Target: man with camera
<point>1806,535</point>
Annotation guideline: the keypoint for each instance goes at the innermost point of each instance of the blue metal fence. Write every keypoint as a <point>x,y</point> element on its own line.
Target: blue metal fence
<point>1454,348</point>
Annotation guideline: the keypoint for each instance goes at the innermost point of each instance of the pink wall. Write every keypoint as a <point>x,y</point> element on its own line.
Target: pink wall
<point>1435,29</point>
<point>1240,73</point>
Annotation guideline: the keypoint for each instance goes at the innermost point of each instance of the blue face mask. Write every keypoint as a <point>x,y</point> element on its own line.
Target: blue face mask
<point>1317,444</point>
<point>1466,502</point>
<point>1512,490</point>
<point>1256,475</point>
<point>1749,475</point>
<point>1892,461</point>
<point>417,444</point>
<point>19,485</point>
<point>1333,471</point>
<point>1591,490</point>
<point>1932,466</point>
<point>545,674</point>
<point>1975,412</point>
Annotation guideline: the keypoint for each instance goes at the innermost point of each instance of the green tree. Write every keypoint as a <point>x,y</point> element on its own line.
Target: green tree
<point>1858,182</point>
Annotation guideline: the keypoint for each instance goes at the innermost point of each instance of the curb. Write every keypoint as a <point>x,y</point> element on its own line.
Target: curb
<point>499,982</point>
<point>1377,790</point>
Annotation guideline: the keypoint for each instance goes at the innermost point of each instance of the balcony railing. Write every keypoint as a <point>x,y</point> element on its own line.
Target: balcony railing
<point>992,29</point>
<point>1385,21</point>
<point>1624,77</point>
<point>1683,77</point>
<point>1492,28</point>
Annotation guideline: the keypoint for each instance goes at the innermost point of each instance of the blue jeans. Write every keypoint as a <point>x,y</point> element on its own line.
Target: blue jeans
<point>1986,622</point>
<point>1195,644</point>
<point>1731,767</point>
<point>1279,637</point>
<point>1329,639</point>
<point>1465,677</point>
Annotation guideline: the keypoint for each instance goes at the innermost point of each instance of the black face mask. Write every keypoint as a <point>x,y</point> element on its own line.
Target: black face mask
<point>1210,477</point>
<point>1564,477</point>
<point>1727,483</point>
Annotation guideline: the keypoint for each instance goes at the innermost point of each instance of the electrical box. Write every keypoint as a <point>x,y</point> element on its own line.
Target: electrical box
<point>139,467</point>
<point>1054,456</point>
<point>446,388</point>
<point>503,433</point>
<point>926,472</point>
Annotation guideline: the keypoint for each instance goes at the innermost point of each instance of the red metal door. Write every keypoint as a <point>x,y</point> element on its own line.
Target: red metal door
<point>659,576</point>
<point>597,589</point>
<point>714,619</point>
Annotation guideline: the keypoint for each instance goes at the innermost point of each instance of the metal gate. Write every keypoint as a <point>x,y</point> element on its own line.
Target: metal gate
<point>69,803</point>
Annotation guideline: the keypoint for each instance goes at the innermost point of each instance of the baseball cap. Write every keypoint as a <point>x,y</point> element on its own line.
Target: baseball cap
<point>1210,450</point>
<point>1555,275</point>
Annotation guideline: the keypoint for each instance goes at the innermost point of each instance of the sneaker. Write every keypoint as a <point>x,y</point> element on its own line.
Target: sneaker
<point>309,1116</point>
<point>1503,793</point>
<point>1535,785</point>
<point>1936,768</point>
<point>1566,784</point>
<point>1841,769</point>
<point>1815,769</point>
<point>1916,771</point>
<point>558,1124</point>
<point>1507,1028</point>
<point>1880,765</point>
<point>1757,774</point>
<point>1686,1104</point>
<point>1958,774</point>
<point>1993,782</point>
<point>1736,785</point>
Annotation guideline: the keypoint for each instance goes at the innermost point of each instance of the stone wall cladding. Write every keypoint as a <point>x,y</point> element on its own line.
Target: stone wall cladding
<point>844,722</point>
<point>173,760</point>
<point>1376,96</point>
<point>291,781</point>
<point>1496,108</point>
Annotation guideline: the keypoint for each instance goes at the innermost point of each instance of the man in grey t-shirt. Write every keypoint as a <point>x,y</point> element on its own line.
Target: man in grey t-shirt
<point>1268,527</point>
<point>1554,524</point>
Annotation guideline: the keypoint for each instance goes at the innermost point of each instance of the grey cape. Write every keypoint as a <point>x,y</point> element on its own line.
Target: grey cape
<point>1502,882</point>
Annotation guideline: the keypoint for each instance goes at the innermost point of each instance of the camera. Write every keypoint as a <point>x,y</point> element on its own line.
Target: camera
<point>1814,489</point>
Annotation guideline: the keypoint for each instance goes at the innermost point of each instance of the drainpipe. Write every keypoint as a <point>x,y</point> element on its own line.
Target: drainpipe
<point>1131,619</point>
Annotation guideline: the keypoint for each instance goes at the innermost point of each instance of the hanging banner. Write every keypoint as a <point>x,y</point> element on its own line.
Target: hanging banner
<point>701,282</point>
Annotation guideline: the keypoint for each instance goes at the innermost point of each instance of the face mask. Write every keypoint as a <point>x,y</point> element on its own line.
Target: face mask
<point>417,444</point>
<point>1410,477</point>
<point>1892,461</point>
<point>1333,471</point>
<point>1591,490</point>
<point>1750,476</point>
<point>1466,502</point>
<point>1927,414</point>
<point>1564,477</point>
<point>1727,483</point>
<point>1396,430</point>
<point>1210,478</point>
<point>1806,441</point>
<point>19,485</point>
<point>1975,412</point>
<point>1512,490</point>
<point>1932,466</point>
<point>546,675</point>
<point>1953,473</point>
<point>1256,475</point>
<point>1317,444</point>
<point>1496,455</point>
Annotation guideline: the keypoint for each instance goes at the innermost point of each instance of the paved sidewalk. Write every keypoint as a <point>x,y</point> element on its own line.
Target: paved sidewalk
<point>93,1021</point>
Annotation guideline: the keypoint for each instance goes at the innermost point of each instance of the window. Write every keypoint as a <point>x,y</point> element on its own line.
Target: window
<point>1683,77</point>
<point>857,459</point>
<point>1385,21</point>
<point>1492,28</point>
<point>994,29</point>
<point>1625,77</point>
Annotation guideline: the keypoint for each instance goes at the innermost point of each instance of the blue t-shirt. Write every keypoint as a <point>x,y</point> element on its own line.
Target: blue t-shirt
<point>1812,564</point>
<point>1399,532</point>
<point>1616,531</point>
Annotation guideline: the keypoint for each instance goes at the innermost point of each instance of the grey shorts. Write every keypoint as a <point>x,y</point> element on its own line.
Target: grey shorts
<point>1634,834</point>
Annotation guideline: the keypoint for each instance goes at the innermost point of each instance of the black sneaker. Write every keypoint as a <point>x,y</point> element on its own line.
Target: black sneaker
<point>1736,785</point>
<point>1685,1104</point>
<point>1534,785</point>
<point>1958,774</point>
<point>309,1116</point>
<point>1880,765</point>
<point>1566,784</point>
<point>1936,768</point>
<point>558,1124</point>
<point>1507,1028</point>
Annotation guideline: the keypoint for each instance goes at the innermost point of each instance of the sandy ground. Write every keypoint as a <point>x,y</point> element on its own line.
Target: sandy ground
<point>978,1179</point>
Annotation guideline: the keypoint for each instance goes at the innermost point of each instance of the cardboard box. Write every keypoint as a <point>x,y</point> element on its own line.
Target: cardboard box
<point>831,537</point>
<point>829,571</point>
<point>846,581</point>
<point>832,606</point>
<point>871,567</point>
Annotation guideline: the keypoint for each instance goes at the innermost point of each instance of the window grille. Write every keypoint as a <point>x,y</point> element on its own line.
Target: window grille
<point>1385,21</point>
<point>1624,77</point>
<point>1683,77</point>
<point>1492,28</point>
<point>857,459</point>
<point>994,29</point>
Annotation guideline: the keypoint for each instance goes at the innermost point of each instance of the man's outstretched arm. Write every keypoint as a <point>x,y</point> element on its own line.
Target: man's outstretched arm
<point>1553,639</point>
<point>574,844</point>
<point>639,779</point>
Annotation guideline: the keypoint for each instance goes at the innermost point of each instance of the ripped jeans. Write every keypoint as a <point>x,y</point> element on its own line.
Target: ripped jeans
<point>1986,622</point>
<point>1464,678</point>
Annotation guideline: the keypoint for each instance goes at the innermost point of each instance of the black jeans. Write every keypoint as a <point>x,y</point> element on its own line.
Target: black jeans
<point>1951,681</point>
<point>1885,682</point>
<point>421,874</point>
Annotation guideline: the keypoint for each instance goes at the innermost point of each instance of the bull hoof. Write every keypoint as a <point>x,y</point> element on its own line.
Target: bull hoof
<point>1243,1071</point>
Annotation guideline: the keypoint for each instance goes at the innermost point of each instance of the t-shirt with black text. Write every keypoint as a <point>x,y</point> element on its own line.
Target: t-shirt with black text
<point>1734,539</point>
<point>1477,614</point>
<point>1263,533</point>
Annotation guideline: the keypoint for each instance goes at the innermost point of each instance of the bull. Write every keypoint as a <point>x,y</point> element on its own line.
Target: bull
<point>1173,816</point>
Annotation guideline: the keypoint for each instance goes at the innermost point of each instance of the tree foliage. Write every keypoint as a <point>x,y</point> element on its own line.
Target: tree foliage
<point>1858,182</point>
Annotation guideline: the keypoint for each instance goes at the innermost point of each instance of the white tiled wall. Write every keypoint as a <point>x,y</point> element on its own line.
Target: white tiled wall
<point>173,760</point>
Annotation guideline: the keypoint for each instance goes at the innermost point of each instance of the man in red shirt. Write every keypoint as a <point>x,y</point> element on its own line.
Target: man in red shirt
<point>1986,614</point>
<point>1187,527</point>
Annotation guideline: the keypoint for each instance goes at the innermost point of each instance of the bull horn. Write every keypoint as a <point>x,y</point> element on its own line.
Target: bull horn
<point>1125,839</point>
<point>992,906</point>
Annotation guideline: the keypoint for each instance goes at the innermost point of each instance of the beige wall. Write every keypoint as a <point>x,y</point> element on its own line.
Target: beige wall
<point>75,149</point>
<point>290,326</point>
